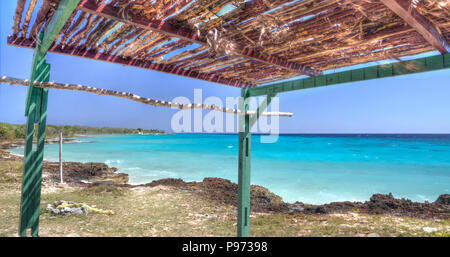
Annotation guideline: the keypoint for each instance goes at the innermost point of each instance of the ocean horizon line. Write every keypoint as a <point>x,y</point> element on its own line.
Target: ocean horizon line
<point>324,134</point>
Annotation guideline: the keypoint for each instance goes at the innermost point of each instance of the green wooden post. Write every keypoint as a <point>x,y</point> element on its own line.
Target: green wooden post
<point>245,124</point>
<point>262,107</point>
<point>243,223</point>
<point>36,112</point>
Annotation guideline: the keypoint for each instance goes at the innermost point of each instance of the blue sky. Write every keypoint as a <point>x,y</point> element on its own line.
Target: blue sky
<point>416,103</point>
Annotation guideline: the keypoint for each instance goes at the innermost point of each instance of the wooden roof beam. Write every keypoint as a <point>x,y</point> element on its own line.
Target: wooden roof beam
<point>167,28</point>
<point>136,98</point>
<point>432,63</point>
<point>408,13</point>
<point>166,68</point>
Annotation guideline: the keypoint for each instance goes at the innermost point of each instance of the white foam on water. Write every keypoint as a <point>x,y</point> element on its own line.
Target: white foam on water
<point>16,154</point>
<point>422,197</point>
<point>21,155</point>
<point>141,176</point>
<point>133,169</point>
<point>79,141</point>
<point>113,162</point>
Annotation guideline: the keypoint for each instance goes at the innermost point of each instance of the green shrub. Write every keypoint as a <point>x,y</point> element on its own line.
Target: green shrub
<point>20,132</point>
<point>6,131</point>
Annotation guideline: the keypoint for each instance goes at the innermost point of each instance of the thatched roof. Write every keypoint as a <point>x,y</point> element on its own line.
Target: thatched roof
<point>241,43</point>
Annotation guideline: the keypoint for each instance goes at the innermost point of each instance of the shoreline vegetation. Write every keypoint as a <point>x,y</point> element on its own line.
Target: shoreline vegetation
<point>173,207</point>
<point>15,131</point>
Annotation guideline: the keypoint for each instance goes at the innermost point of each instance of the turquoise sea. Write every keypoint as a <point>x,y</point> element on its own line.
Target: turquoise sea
<point>309,168</point>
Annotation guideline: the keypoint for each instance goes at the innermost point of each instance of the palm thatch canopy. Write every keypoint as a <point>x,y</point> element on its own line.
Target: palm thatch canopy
<point>241,43</point>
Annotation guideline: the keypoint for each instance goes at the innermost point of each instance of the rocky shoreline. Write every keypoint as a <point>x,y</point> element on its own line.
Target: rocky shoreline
<point>225,192</point>
<point>262,200</point>
<point>74,173</point>
<point>8,144</point>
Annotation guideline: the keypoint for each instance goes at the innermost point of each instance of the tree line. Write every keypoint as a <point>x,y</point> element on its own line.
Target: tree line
<point>14,131</point>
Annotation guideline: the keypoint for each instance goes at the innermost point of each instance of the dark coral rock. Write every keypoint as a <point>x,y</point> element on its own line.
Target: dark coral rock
<point>443,199</point>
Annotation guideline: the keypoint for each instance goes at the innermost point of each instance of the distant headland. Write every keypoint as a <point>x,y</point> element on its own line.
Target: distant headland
<point>15,131</point>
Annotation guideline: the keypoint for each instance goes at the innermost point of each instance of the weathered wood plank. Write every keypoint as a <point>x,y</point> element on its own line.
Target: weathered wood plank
<point>136,98</point>
<point>408,13</point>
<point>166,68</point>
<point>431,63</point>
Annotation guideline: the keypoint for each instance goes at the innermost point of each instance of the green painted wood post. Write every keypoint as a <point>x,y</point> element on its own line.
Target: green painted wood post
<point>36,112</point>
<point>244,186</point>
<point>243,223</point>
<point>262,108</point>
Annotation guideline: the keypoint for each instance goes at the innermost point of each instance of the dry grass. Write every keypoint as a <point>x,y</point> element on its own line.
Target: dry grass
<point>170,211</point>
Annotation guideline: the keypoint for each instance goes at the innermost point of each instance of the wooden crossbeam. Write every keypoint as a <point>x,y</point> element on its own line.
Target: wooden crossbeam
<point>136,98</point>
<point>432,63</point>
<point>408,13</point>
<point>167,28</point>
<point>167,68</point>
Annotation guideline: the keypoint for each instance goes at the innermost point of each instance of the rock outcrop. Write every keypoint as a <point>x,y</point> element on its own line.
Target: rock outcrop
<point>226,192</point>
<point>386,204</point>
<point>76,172</point>
<point>92,172</point>
<point>262,200</point>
